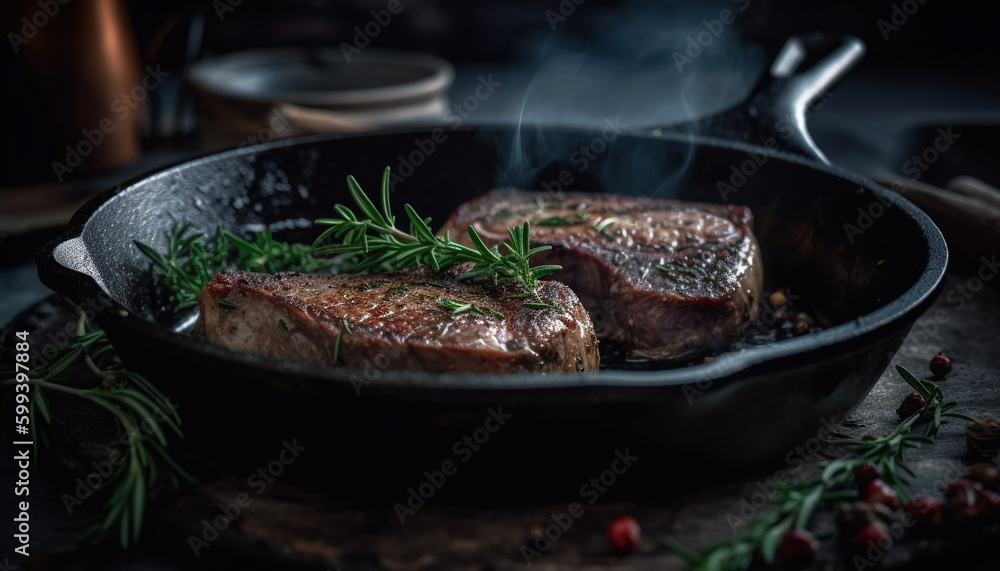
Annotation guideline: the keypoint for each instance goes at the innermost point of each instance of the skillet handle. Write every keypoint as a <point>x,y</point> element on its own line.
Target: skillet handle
<point>800,78</point>
<point>71,259</point>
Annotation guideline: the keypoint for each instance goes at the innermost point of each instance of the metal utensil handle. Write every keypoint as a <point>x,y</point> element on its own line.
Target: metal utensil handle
<point>800,78</point>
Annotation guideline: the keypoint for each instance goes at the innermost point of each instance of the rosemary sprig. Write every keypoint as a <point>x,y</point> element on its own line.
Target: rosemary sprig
<point>188,264</point>
<point>796,505</point>
<point>134,403</point>
<point>458,307</point>
<point>797,502</point>
<point>266,255</point>
<point>191,261</point>
<point>380,246</point>
<point>886,453</point>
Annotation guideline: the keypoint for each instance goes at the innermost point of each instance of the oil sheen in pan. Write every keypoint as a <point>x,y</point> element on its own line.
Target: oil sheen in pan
<point>772,325</point>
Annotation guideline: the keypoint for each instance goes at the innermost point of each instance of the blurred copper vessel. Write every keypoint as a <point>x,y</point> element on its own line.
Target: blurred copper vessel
<point>83,59</point>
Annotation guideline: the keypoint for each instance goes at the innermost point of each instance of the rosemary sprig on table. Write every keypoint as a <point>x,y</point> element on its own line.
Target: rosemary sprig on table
<point>191,260</point>
<point>138,410</point>
<point>886,453</point>
<point>797,502</point>
<point>380,246</point>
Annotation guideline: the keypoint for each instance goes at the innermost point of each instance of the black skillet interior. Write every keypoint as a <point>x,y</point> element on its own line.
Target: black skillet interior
<point>800,221</point>
<point>738,410</point>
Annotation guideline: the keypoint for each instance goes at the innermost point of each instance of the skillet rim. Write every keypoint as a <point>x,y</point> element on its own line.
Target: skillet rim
<point>733,365</point>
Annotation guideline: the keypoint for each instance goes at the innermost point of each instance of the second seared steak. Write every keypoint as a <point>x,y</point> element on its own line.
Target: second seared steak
<point>664,278</point>
<point>397,322</point>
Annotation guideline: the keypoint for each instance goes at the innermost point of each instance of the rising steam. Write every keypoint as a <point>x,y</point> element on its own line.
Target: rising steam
<point>651,64</point>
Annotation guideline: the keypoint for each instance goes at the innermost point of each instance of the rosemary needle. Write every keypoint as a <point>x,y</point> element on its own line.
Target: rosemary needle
<point>458,307</point>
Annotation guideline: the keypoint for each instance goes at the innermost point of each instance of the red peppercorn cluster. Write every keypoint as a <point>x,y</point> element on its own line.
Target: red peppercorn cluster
<point>867,522</point>
<point>874,524</point>
<point>969,502</point>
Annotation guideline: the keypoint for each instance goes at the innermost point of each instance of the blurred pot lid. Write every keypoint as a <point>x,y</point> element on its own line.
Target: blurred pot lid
<point>324,77</point>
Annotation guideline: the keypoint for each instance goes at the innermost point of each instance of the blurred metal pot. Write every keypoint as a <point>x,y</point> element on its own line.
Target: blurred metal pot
<point>259,95</point>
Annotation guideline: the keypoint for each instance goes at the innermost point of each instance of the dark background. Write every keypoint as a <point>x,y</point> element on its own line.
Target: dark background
<point>940,40</point>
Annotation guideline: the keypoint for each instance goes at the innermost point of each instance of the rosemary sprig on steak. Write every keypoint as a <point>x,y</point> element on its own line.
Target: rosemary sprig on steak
<point>379,245</point>
<point>191,260</point>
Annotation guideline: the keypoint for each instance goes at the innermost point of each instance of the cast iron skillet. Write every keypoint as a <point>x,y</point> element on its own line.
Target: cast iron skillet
<point>742,408</point>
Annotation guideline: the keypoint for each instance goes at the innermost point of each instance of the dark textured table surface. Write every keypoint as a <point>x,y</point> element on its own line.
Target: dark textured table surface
<point>293,527</point>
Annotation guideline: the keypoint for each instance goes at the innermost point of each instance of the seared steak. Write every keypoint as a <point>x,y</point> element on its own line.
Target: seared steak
<point>397,322</point>
<point>664,278</point>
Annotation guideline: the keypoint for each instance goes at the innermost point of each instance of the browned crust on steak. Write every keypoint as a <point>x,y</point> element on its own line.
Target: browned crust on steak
<point>397,323</point>
<point>707,298</point>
